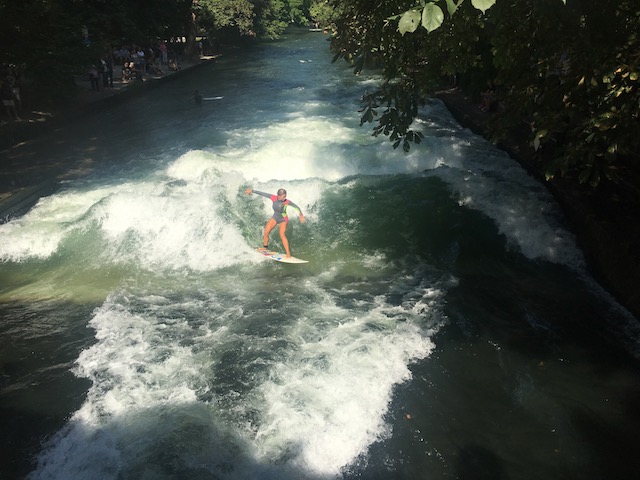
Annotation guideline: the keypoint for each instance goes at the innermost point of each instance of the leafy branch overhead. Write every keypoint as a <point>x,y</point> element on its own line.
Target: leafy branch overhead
<point>561,74</point>
<point>431,16</point>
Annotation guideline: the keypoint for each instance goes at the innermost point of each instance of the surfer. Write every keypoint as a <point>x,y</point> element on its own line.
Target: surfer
<point>280,217</point>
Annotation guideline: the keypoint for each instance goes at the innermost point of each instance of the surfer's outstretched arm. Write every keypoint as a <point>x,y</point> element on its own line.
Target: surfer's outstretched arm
<point>270,196</point>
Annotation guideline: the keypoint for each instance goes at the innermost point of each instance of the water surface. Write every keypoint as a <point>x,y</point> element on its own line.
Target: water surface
<point>445,325</point>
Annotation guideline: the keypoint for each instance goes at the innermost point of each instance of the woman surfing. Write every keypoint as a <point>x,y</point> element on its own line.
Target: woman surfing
<point>280,217</point>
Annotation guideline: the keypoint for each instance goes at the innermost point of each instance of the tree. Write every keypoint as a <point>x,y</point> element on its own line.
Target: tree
<point>574,79</point>
<point>230,14</point>
<point>322,12</point>
<point>44,39</point>
<point>53,40</point>
<point>299,11</point>
<point>271,18</point>
<point>238,19</point>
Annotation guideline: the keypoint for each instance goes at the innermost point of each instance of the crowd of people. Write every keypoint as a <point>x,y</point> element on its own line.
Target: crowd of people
<point>132,62</point>
<point>135,62</point>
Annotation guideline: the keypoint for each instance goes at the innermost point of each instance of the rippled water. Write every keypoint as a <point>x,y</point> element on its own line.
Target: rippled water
<point>444,327</point>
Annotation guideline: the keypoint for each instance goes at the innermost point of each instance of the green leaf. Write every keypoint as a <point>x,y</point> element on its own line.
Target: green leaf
<point>453,6</point>
<point>483,5</point>
<point>584,175</point>
<point>612,174</point>
<point>409,22</point>
<point>536,143</point>
<point>432,17</point>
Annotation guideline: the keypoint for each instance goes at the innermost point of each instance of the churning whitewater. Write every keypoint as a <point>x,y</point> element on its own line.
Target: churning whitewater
<point>203,360</point>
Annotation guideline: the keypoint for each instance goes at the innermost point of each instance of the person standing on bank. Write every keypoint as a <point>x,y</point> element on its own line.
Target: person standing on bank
<point>280,217</point>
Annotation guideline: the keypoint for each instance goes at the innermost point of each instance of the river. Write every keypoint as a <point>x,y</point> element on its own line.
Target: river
<point>445,326</point>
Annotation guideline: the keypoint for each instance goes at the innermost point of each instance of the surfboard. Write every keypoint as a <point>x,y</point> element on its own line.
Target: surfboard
<point>212,98</point>
<point>279,257</point>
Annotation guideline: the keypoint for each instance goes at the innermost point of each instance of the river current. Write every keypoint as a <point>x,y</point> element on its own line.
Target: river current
<point>445,326</point>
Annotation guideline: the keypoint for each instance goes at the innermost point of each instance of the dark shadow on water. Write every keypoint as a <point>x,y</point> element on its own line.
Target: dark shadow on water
<point>39,341</point>
<point>176,441</point>
<point>614,451</point>
<point>477,463</point>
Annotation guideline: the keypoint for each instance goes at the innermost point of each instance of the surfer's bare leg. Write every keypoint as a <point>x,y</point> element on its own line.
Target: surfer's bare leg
<point>283,237</point>
<point>271,223</point>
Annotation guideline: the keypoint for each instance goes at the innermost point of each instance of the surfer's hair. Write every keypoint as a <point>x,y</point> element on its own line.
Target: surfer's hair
<point>282,191</point>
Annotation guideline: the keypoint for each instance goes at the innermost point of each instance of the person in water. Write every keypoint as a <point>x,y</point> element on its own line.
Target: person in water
<point>280,217</point>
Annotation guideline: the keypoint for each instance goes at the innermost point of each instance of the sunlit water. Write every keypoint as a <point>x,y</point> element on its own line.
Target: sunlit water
<point>444,327</point>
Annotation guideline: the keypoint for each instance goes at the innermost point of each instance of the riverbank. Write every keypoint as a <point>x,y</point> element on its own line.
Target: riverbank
<point>38,119</point>
<point>24,178</point>
<point>604,221</point>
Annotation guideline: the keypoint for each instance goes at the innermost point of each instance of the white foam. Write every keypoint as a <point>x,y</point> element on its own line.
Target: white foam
<point>137,369</point>
<point>40,231</point>
<point>312,147</point>
<point>160,224</point>
<point>325,405</point>
<point>182,227</point>
<point>487,180</point>
<point>314,405</point>
<point>152,224</point>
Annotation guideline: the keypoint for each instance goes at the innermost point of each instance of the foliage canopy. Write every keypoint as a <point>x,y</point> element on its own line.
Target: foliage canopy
<point>566,71</point>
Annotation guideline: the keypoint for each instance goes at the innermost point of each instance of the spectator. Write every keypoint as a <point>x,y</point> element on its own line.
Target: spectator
<point>163,52</point>
<point>94,78</point>
<point>11,78</point>
<point>107,72</point>
<point>126,71</point>
<point>488,98</point>
<point>8,100</point>
<point>140,64</point>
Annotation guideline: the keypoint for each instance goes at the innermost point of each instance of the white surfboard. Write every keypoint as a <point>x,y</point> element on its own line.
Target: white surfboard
<point>212,98</point>
<point>279,257</point>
